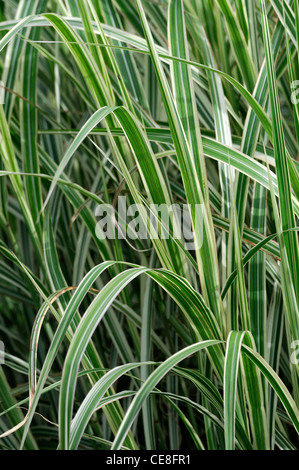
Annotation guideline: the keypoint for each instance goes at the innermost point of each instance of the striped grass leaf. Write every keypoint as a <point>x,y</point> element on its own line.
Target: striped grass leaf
<point>289,293</point>
<point>10,163</point>
<point>283,177</point>
<point>29,127</point>
<point>26,11</point>
<point>275,333</point>
<point>113,60</point>
<point>223,134</point>
<point>257,275</point>
<point>60,333</point>
<point>83,334</point>
<point>276,383</point>
<point>93,399</point>
<point>252,128</point>
<point>146,353</point>
<point>84,331</point>
<point>150,383</point>
<point>84,59</point>
<point>239,45</point>
<point>292,75</point>
<point>255,399</point>
<point>29,114</point>
<point>91,38</point>
<point>253,33</point>
<point>187,141</point>
<point>126,70</point>
<point>231,367</point>
<point>286,16</point>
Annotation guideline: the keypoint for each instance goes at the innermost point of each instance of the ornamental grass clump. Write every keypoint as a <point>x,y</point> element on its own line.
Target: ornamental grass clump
<point>149,203</point>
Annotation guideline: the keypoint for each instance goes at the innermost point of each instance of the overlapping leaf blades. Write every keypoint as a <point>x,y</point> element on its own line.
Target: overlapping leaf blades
<point>80,129</point>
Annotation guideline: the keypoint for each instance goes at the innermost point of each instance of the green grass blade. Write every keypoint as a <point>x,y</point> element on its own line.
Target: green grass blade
<point>150,383</point>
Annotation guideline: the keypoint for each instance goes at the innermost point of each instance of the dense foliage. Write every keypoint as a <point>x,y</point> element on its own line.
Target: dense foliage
<point>147,342</point>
